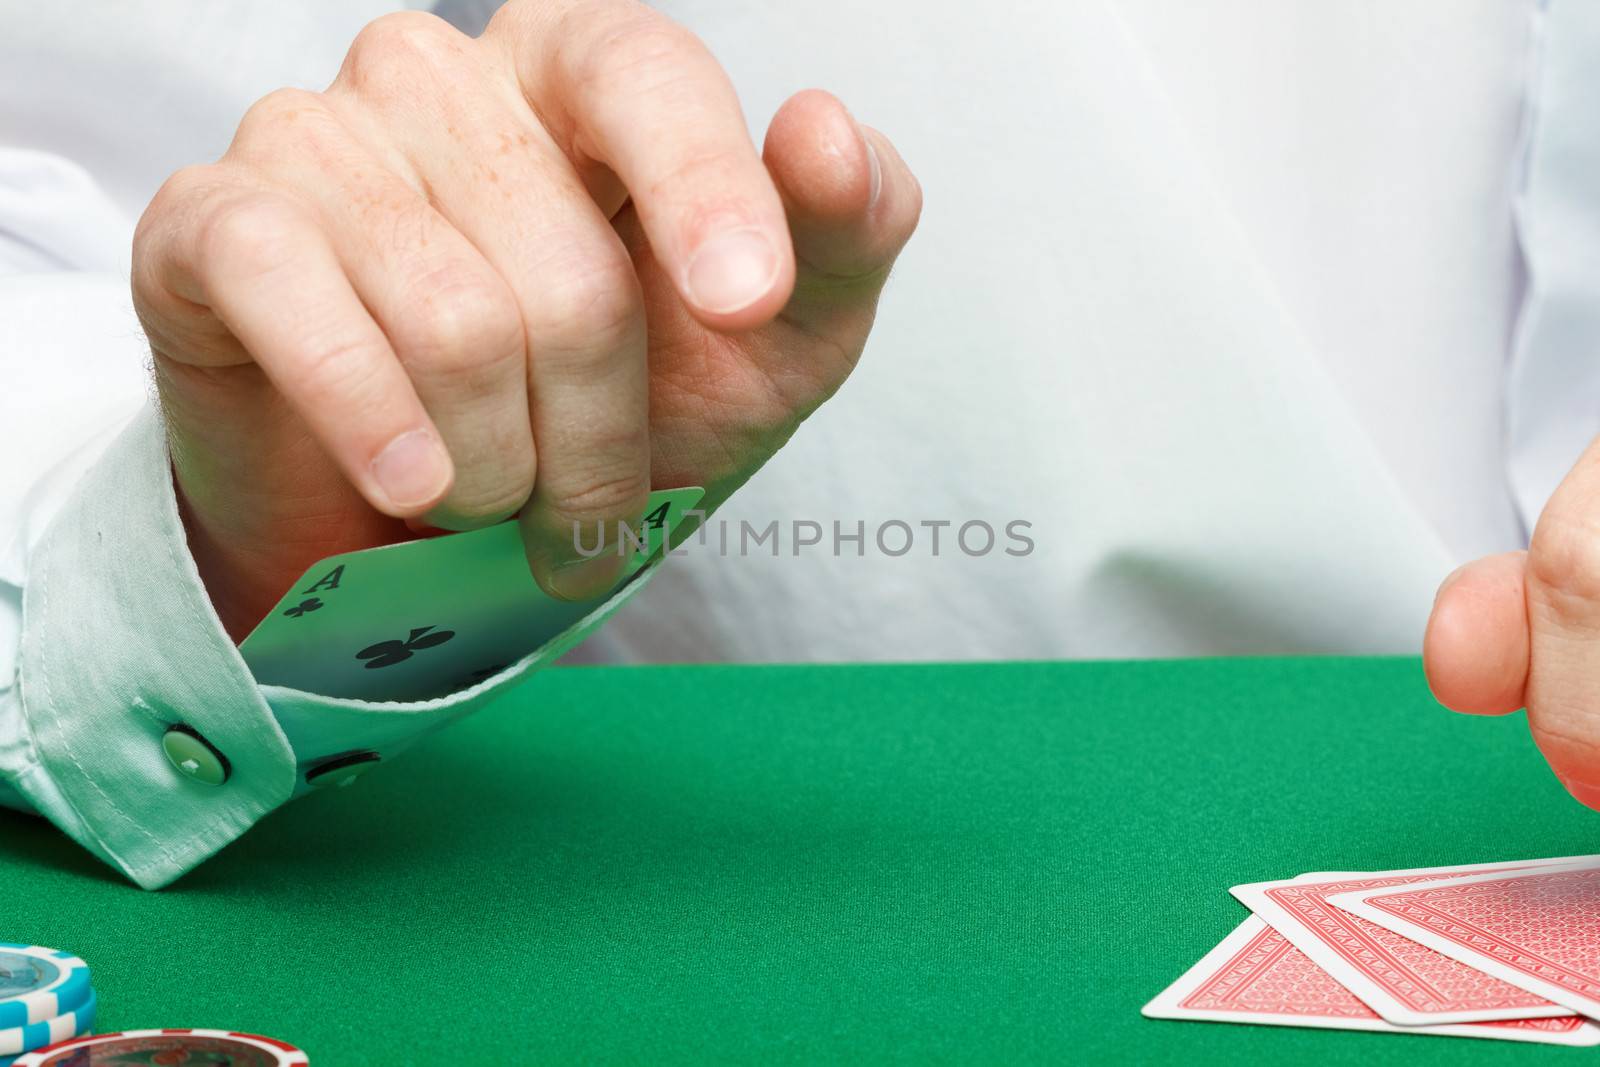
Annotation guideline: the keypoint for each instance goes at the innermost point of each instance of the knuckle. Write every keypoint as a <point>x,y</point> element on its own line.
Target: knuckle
<point>402,39</point>
<point>338,366</point>
<point>589,309</point>
<point>496,464</point>
<point>279,110</point>
<point>639,54</point>
<point>702,172</point>
<point>603,497</point>
<point>185,186</point>
<point>457,321</point>
<point>246,231</point>
<point>1564,562</point>
<point>177,198</point>
<point>494,500</point>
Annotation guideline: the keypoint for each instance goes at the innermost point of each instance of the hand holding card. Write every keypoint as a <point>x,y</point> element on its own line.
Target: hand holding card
<point>426,618</point>
<point>349,321</point>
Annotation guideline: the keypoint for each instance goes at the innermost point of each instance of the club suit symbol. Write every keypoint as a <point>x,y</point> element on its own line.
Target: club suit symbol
<point>300,609</point>
<point>388,653</point>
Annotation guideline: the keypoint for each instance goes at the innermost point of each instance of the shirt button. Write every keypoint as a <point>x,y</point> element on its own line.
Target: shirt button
<point>341,770</point>
<point>194,757</point>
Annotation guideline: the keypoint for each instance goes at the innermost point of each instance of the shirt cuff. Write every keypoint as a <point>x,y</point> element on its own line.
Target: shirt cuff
<point>121,647</point>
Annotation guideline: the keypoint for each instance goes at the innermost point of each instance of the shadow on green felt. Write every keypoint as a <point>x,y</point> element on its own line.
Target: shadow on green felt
<point>34,844</point>
<point>585,820</point>
<point>994,862</point>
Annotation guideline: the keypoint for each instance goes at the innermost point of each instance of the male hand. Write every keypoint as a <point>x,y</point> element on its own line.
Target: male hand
<point>1523,629</point>
<point>535,272</point>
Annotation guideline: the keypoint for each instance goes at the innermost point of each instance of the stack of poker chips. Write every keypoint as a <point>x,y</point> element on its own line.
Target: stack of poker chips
<point>45,997</point>
<point>168,1046</point>
<point>47,1010</point>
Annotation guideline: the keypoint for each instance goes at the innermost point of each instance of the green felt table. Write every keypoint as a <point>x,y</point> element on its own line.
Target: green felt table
<point>977,863</point>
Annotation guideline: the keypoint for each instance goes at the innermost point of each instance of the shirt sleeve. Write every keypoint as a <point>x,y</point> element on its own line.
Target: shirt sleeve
<point>109,645</point>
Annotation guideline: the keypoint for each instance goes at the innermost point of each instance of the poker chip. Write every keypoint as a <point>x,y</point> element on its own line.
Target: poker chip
<point>215,1048</point>
<point>39,984</point>
<point>74,1023</point>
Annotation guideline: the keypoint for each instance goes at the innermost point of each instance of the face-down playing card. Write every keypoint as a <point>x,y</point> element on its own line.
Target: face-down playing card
<point>1407,983</point>
<point>422,619</point>
<point>1538,929</point>
<point>1256,976</point>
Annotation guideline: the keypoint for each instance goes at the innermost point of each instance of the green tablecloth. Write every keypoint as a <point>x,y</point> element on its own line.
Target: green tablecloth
<point>994,863</point>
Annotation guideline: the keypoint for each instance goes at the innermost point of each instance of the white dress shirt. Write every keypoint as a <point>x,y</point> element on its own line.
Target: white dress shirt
<point>1218,299</point>
<point>108,642</point>
<point>1217,295</point>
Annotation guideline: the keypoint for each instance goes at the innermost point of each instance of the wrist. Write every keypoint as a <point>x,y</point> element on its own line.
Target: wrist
<point>248,558</point>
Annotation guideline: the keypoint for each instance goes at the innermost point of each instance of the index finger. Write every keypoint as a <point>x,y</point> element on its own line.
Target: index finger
<point>619,84</point>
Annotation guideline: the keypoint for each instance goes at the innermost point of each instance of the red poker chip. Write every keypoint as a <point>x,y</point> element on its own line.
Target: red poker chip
<point>212,1048</point>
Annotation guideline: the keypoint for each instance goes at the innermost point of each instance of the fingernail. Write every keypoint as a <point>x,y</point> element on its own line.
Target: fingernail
<point>412,470</point>
<point>587,579</point>
<point>732,270</point>
<point>873,167</point>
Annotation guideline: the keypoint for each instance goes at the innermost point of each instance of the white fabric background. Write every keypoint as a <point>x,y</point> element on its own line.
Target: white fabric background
<point>1217,296</point>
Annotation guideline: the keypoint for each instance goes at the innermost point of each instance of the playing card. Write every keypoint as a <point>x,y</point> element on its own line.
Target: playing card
<point>421,619</point>
<point>1256,976</point>
<point>1406,983</point>
<point>1538,929</point>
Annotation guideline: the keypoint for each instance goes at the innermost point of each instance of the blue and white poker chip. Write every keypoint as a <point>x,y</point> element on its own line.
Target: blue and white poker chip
<point>75,1023</point>
<point>39,984</point>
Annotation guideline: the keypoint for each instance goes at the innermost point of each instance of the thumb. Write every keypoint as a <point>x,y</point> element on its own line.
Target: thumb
<point>1564,618</point>
<point>852,204</point>
<point>1475,652</point>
